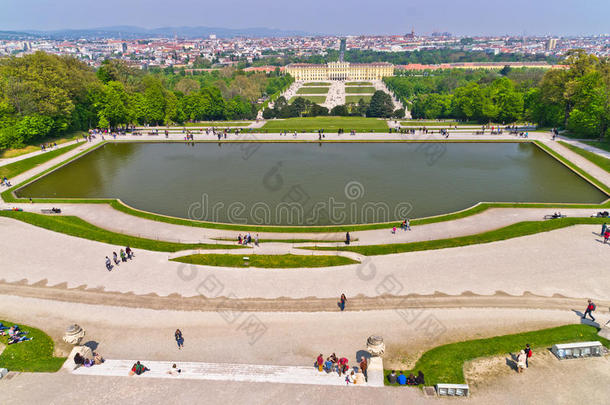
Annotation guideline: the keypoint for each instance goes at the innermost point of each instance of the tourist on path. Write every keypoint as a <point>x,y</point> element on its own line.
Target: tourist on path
<point>363,367</point>
<point>604,227</point>
<point>320,362</point>
<point>129,252</point>
<point>342,302</point>
<point>407,224</point>
<point>115,257</point>
<point>108,263</point>
<point>606,235</point>
<point>589,311</point>
<point>179,338</point>
<point>347,238</point>
<point>521,359</point>
<point>528,354</point>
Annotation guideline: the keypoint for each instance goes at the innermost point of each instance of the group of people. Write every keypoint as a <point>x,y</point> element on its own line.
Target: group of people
<point>85,362</point>
<point>48,146</point>
<point>5,182</point>
<point>340,365</point>
<point>124,255</point>
<point>523,358</point>
<point>402,379</point>
<point>247,239</point>
<point>404,225</point>
<point>14,333</point>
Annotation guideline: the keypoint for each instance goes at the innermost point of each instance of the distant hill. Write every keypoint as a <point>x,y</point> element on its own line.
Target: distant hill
<point>17,35</point>
<point>131,32</point>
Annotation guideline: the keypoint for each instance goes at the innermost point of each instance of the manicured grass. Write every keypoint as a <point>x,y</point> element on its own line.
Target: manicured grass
<point>316,84</point>
<point>594,158</point>
<point>359,90</point>
<point>313,90</point>
<point>13,169</point>
<point>508,232</point>
<point>358,84</point>
<point>266,261</point>
<point>10,153</point>
<point>445,364</point>
<point>313,99</point>
<point>356,99</point>
<point>599,144</point>
<point>575,168</point>
<point>74,226</point>
<point>32,356</point>
<point>329,124</point>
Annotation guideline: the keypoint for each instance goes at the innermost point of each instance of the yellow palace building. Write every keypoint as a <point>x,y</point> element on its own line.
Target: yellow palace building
<point>340,71</point>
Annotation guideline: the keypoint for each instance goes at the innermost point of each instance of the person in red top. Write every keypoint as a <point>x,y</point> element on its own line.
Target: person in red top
<point>590,309</point>
<point>528,354</point>
<point>320,362</point>
<point>343,367</point>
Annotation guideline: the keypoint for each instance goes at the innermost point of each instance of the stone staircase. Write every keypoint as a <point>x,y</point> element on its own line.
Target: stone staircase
<point>222,372</point>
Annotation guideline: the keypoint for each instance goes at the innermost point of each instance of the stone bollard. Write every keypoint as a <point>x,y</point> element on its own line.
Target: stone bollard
<point>74,334</point>
<point>376,347</point>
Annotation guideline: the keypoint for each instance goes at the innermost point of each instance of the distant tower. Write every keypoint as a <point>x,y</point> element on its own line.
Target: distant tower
<point>551,44</point>
<point>342,47</point>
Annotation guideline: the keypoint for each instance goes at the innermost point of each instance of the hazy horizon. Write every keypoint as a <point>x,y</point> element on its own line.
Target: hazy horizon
<point>341,17</point>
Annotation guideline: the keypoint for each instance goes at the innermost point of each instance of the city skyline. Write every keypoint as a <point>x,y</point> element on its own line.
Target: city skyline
<point>466,18</point>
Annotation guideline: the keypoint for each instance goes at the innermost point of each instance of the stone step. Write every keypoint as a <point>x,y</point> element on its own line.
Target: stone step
<point>219,372</point>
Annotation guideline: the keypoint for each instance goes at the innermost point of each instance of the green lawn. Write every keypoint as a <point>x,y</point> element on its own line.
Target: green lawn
<point>313,99</point>
<point>603,145</point>
<point>35,355</point>
<point>316,84</point>
<point>358,84</point>
<point>10,153</point>
<point>359,90</point>
<point>436,123</point>
<point>356,99</point>
<point>594,158</point>
<point>445,364</point>
<point>75,226</point>
<point>266,261</point>
<point>13,169</point>
<point>313,90</point>
<point>329,124</point>
<point>508,232</point>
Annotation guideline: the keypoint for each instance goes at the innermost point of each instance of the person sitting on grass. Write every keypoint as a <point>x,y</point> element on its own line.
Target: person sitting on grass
<point>420,378</point>
<point>138,369</point>
<point>402,379</point>
<point>411,380</point>
<point>392,377</point>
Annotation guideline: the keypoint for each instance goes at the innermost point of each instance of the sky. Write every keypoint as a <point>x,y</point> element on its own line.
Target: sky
<point>341,17</point>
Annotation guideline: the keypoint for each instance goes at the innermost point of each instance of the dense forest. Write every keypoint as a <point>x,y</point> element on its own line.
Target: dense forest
<point>577,99</point>
<point>43,95</point>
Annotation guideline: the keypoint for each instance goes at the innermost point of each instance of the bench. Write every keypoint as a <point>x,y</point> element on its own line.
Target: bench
<point>452,390</point>
<point>577,350</point>
<point>51,211</point>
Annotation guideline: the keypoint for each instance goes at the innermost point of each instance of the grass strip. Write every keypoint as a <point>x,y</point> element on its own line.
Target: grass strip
<point>34,356</point>
<point>74,226</point>
<point>508,232</point>
<point>445,364</point>
<point>359,90</point>
<point>603,145</point>
<point>266,261</point>
<point>594,158</point>
<point>13,169</point>
<point>313,90</point>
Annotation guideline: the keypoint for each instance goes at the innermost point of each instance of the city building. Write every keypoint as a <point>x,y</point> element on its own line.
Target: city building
<point>551,44</point>
<point>340,71</point>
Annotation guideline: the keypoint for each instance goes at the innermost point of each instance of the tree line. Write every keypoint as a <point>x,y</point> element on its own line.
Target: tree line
<point>44,95</point>
<point>576,98</point>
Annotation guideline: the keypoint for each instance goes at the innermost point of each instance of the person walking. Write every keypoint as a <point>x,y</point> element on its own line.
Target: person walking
<point>528,354</point>
<point>179,339</point>
<point>320,362</point>
<point>589,311</point>
<point>256,240</point>
<point>407,224</point>
<point>347,238</point>
<point>521,359</point>
<point>108,263</point>
<point>604,227</point>
<point>342,302</point>
<point>606,235</point>
<point>363,367</point>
